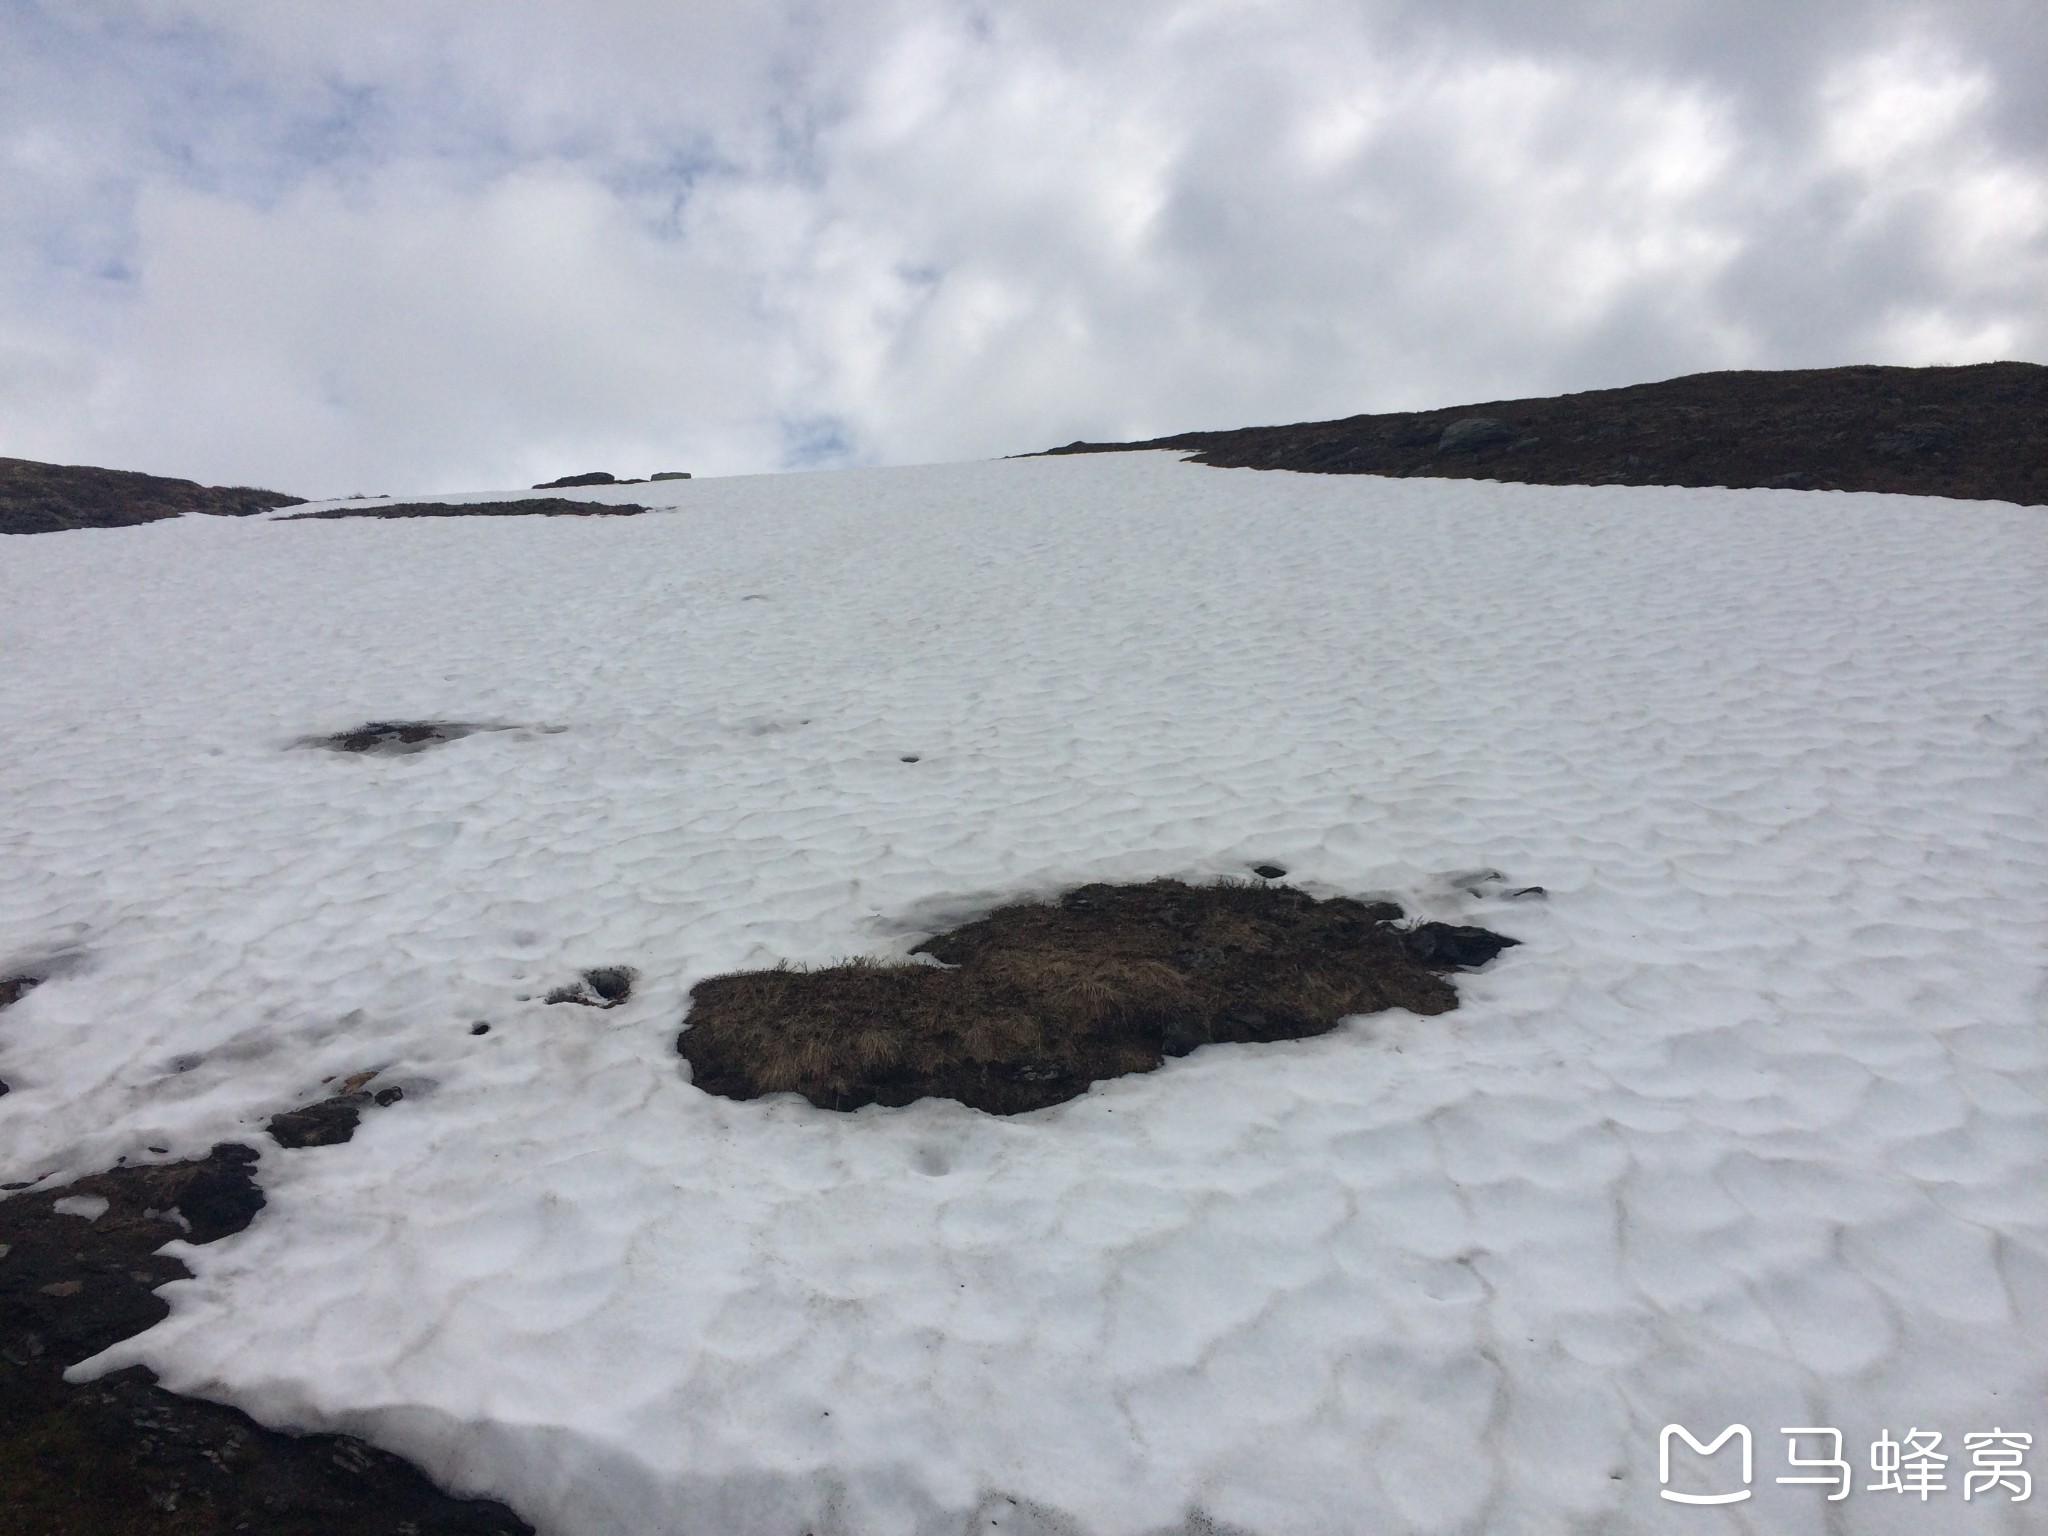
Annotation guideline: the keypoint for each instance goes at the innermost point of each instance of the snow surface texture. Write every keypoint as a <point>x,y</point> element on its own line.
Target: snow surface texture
<point>1750,1129</point>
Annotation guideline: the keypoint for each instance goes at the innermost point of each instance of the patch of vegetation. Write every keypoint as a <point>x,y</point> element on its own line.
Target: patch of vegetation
<point>394,738</point>
<point>1029,1005</point>
<point>532,506</point>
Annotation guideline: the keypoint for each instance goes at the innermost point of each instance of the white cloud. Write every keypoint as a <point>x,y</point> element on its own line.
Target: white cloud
<point>426,245</point>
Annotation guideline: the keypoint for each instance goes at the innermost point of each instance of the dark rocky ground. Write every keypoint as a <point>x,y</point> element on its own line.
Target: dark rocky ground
<point>47,498</point>
<point>1979,432</point>
<point>123,1457</point>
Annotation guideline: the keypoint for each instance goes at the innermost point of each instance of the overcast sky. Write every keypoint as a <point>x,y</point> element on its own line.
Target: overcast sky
<point>429,245</point>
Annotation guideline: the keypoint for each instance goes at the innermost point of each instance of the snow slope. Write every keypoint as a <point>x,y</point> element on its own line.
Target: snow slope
<point>1751,1128</point>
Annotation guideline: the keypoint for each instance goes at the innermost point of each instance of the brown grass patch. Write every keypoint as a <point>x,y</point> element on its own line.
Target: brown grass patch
<point>1034,1002</point>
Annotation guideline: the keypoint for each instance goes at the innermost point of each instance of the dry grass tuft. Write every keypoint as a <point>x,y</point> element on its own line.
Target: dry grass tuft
<point>1032,1003</point>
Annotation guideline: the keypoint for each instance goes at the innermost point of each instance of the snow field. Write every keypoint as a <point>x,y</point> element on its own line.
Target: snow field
<point>1751,1128</point>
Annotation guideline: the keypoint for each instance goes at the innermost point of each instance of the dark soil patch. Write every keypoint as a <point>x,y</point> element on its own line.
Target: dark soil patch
<point>605,987</point>
<point>1034,1002</point>
<point>395,738</point>
<point>12,990</point>
<point>123,1457</point>
<point>333,1120</point>
<point>1979,432</point>
<point>48,498</point>
<point>535,506</point>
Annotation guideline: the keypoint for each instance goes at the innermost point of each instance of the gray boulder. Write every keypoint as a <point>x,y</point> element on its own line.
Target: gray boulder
<point>1472,434</point>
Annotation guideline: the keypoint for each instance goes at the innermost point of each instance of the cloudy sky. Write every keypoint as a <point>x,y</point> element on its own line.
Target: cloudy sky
<point>421,245</point>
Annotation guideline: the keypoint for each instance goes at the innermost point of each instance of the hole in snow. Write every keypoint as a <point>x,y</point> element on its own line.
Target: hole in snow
<point>605,987</point>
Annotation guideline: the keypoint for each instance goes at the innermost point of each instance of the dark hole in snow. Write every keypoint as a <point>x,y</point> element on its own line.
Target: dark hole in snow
<point>121,1455</point>
<point>14,988</point>
<point>1034,1002</point>
<point>605,987</point>
<point>479,1028</point>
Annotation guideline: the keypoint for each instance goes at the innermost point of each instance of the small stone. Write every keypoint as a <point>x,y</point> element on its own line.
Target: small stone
<point>328,1123</point>
<point>386,1097</point>
<point>479,1028</point>
<point>1268,871</point>
<point>1912,442</point>
<point>1446,944</point>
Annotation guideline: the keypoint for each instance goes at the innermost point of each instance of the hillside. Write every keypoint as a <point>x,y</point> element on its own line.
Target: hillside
<point>47,498</point>
<point>1979,433</point>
